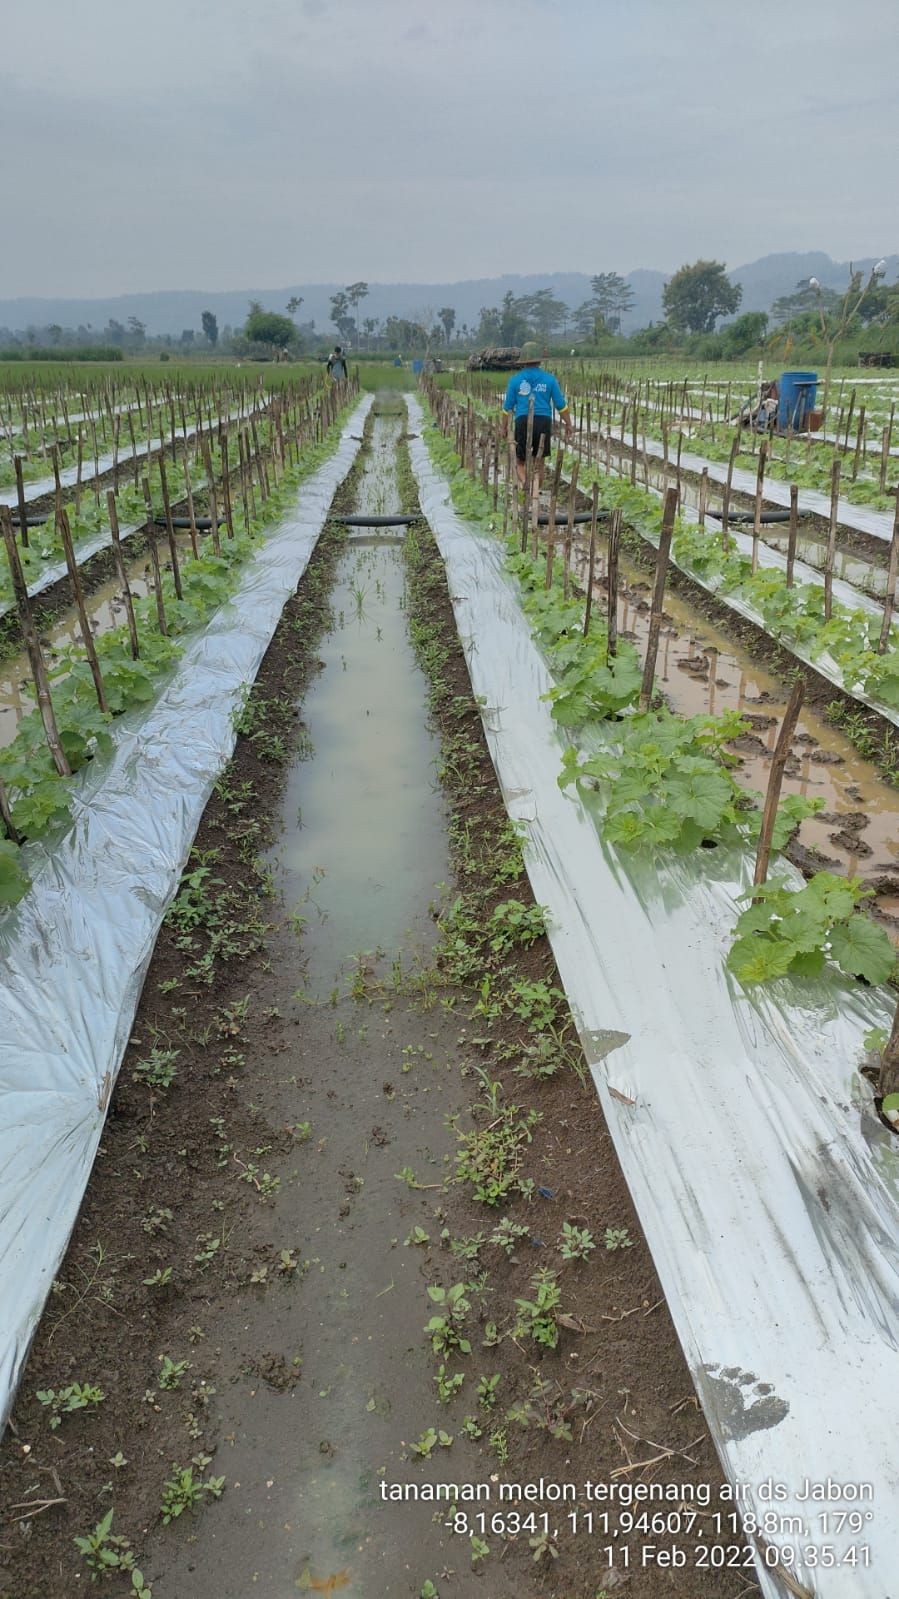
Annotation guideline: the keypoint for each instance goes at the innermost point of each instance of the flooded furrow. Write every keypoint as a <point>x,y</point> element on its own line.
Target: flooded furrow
<point>360,853</point>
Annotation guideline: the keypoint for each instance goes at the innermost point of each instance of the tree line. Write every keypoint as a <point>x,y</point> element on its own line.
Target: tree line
<point>695,300</point>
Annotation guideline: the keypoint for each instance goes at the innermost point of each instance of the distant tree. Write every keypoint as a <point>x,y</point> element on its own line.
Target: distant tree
<point>54,333</point>
<point>210,327</point>
<point>187,337</point>
<point>613,297</point>
<point>356,293</point>
<point>698,295</point>
<point>114,332</point>
<point>544,311</point>
<point>294,303</point>
<point>803,299</point>
<point>137,330</point>
<point>267,327</point>
<point>448,318</point>
<point>748,331</point>
<point>341,316</point>
<point>370,328</point>
<point>488,328</point>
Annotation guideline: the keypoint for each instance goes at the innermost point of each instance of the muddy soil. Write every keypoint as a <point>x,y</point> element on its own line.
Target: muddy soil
<point>346,1037</point>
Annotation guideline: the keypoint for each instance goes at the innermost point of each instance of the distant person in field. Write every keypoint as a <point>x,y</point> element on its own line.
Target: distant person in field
<point>337,365</point>
<point>532,382</point>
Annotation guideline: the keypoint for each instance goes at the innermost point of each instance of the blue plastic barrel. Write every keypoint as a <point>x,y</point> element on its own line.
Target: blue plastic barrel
<point>796,398</point>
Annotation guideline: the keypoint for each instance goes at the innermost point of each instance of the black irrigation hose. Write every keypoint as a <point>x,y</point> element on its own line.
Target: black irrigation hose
<point>766,518</point>
<point>203,524</point>
<point>376,521</point>
<point>579,516</point>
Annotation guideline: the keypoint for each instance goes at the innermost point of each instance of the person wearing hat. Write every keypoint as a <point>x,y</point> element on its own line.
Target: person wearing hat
<point>533,382</point>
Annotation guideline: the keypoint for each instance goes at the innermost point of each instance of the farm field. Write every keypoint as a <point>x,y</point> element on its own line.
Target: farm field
<point>423,1093</point>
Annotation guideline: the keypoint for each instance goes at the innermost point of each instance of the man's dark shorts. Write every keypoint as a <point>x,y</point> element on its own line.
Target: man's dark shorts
<point>543,427</point>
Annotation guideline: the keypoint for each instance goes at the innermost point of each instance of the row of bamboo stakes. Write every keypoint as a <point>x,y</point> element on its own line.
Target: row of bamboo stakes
<point>480,447</point>
<point>258,471</point>
<point>476,441</point>
<point>665,406</point>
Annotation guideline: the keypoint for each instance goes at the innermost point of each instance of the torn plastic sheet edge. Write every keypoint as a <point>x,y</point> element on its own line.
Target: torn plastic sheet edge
<point>766,1184</point>
<point>75,950</point>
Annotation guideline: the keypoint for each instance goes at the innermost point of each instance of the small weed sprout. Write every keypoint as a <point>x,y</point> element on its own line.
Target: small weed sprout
<point>447,1385</point>
<point>617,1238</point>
<point>106,1551</point>
<point>538,1315</point>
<point>171,1372</point>
<point>444,1330</point>
<point>158,1070</point>
<point>487,1387</point>
<point>430,1438</point>
<point>576,1243</point>
<point>64,1401</point>
<point>183,1491</point>
<point>506,1235</point>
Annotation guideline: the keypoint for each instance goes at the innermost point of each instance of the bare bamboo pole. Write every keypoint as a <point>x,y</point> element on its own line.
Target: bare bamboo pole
<point>121,574</point>
<point>170,527</point>
<point>20,500</point>
<point>591,559</point>
<point>612,585</point>
<point>890,597</point>
<point>791,535</point>
<point>87,636</point>
<point>154,560</point>
<point>33,646</point>
<point>757,507</point>
<point>831,536</point>
<point>775,781</point>
<point>658,594</point>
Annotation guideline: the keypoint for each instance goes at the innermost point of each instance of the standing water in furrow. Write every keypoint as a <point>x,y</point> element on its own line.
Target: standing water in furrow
<point>339,1380</point>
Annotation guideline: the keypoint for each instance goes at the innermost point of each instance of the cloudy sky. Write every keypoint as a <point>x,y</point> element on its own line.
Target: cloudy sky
<point>218,143</point>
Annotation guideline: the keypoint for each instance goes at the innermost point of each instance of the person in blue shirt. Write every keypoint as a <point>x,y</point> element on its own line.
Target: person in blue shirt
<point>533,381</point>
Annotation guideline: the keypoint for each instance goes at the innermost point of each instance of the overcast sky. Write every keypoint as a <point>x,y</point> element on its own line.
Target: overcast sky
<point>222,143</point>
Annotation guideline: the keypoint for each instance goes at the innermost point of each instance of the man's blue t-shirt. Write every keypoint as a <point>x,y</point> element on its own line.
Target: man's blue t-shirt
<point>544,387</point>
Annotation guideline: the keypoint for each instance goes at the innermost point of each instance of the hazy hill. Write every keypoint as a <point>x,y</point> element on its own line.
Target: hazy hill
<point>170,311</point>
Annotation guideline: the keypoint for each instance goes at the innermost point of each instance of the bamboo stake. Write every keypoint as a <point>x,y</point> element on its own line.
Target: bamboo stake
<point>113,514</point>
<point>551,526</point>
<point>757,509</point>
<point>775,781</point>
<point>728,483</point>
<point>890,598</point>
<point>33,646</point>
<point>20,500</point>
<point>12,832</point>
<point>612,585</point>
<point>791,535</point>
<point>831,537</point>
<point>569,526</point>
<point>194,541</point>
<point>154,560</point>
<point>703,496</point>
<point>859,440</point>
<point>658,594</point>
<point>87,636</point>
<point>591,561</point>
<point>170,527</point>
